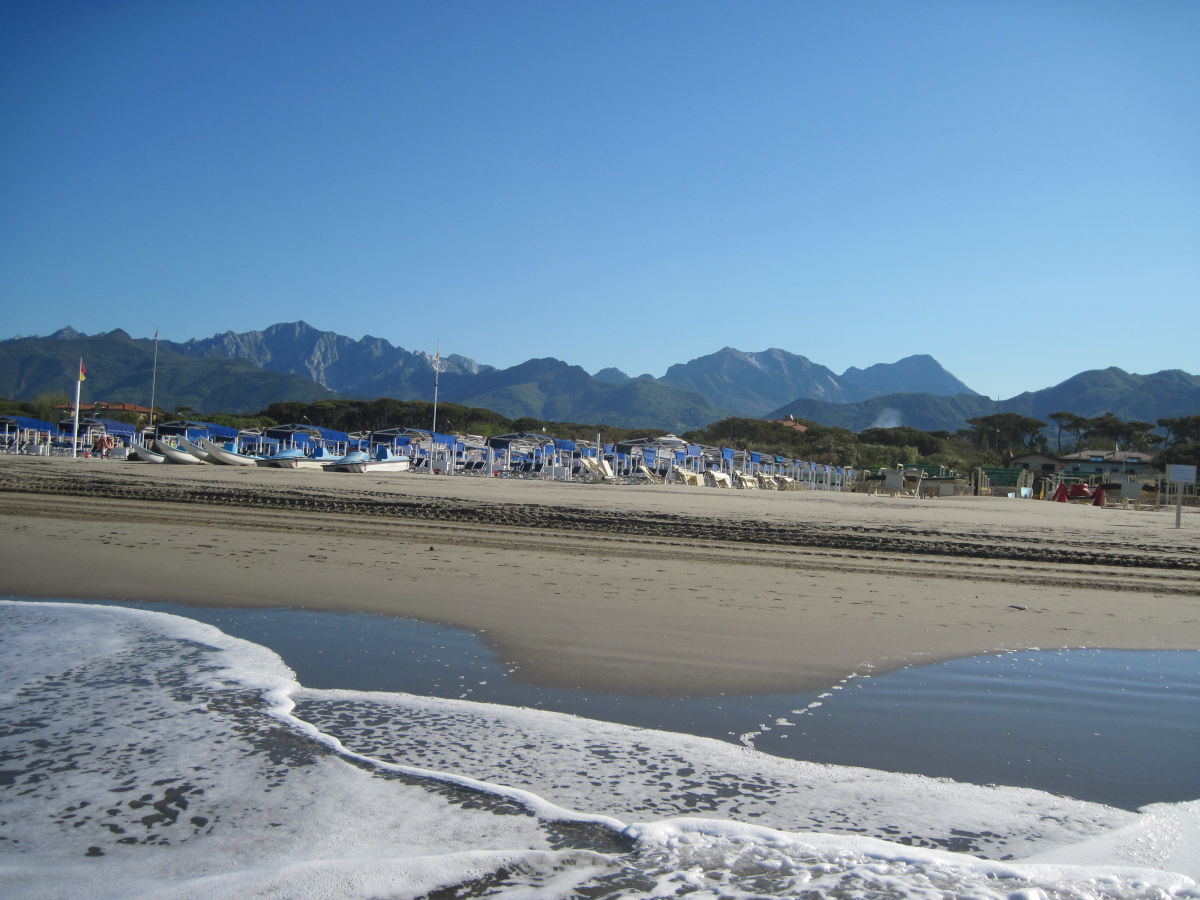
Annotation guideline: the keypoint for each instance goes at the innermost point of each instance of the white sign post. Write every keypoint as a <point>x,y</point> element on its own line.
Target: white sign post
<point>1179,476</point>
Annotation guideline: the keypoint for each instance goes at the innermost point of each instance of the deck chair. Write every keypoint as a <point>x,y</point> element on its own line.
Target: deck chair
<point>744,481</point>
<point>716,479</point>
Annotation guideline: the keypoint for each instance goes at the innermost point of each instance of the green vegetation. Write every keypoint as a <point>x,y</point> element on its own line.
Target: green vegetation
<point>1181,445</point>
<point>1007,433</point>
<point>873,448</point>
<point>43,406</point>
<point>120,369</point>
<point>371,415</point>
<point>245,422</point>
<point>991,441</point>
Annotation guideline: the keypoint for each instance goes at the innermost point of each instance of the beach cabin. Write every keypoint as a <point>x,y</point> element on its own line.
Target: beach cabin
<point>25,434</point>
<point>472,455</point>
<point>255,443</point>
<point>656,454</point>
<point>193,430</point>
<point>310,438</point>
<point>91,428</point>
<point>525,453</point>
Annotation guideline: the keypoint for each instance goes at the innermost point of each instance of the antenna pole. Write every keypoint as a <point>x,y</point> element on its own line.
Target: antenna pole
<point>154,378</point>
<point>437,372</point>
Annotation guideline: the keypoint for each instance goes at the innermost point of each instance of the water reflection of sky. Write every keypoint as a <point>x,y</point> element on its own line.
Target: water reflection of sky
<point>1113,726</point>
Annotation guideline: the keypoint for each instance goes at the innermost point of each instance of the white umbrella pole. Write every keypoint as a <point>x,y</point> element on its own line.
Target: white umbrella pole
<point>78,385</point>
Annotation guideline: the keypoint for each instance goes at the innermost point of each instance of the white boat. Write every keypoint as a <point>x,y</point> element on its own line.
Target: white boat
<point>145,454</point>
<point>295,459</point>
<point>358,461</point>
<point>199,452</point>
<point>351,462</point>
<point>174,454</point>
<point>226,456</point>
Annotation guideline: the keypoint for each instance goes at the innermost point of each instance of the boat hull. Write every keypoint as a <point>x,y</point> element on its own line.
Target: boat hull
<point>174,454</point>
<point>145,454</point>
<point>360,461</point>
<point>225,457</point>
<point>371,465</point>
<point>199,452</point>
<point>290,462</point>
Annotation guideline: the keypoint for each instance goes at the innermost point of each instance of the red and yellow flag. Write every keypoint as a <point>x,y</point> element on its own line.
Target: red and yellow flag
<point>82,371</point>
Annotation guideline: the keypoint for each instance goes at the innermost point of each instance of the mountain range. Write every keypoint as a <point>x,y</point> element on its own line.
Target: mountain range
<point>1144,398</point>
<point>243,372</point>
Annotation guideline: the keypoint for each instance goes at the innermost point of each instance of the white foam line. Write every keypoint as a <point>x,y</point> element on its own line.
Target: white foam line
<point>279,701</point>
<point>280,705</point>
<point>282,709</point>
<point>836,848</point>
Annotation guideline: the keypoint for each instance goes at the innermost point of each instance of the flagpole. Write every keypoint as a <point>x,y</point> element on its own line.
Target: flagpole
<point>78,385</point>
<point>437,372</point>
<point>154,378</point>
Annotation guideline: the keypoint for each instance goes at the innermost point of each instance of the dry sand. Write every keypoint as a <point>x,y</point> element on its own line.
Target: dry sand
<point>646,589</point>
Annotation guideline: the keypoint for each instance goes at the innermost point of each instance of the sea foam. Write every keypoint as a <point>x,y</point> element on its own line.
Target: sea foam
<point>147,754</point>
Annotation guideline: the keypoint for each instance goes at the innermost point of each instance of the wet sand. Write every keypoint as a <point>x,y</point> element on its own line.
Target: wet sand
<point>637,589</point>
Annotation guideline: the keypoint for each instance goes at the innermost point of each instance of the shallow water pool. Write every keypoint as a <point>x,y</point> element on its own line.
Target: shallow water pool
<point>1111,726</point>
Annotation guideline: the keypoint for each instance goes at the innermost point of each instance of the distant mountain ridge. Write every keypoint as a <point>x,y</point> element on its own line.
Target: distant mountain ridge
<point>919,374</point>
<point>1131,397</point>
<point>756,383</point>
<point>243,372</point>
<point>120,369</point>
<point>690,395</point>
<point>369,365</point>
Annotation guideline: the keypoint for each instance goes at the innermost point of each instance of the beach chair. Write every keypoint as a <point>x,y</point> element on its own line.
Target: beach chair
<point>597,471</point>
<point>683,476</point>
<point>649,476</point>
<point>766,482</point>
<point>714,478</point>
<point>744,481</point>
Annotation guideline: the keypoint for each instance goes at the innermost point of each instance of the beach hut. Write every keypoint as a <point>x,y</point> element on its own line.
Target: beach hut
<point>25,434</point>
<point>431,451</point>
<point>93,430</point>
<point>193,430</point>
<point>656,454</point>
<point>310,437</point>
<point>525,453</point>
<point>255,443</point>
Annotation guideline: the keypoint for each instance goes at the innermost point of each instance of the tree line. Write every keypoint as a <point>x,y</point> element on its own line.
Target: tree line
<point>990,440</point>
<point>1175,439</point>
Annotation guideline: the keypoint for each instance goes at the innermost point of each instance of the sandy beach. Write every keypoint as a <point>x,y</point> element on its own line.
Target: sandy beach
<point>637,589</point>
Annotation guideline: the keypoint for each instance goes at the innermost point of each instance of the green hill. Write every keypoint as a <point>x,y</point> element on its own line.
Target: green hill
<point>120,370</point>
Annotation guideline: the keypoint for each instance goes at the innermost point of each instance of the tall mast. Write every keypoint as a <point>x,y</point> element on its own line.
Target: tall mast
<point>154,378</point>
<point>78,385</point>
<point>437,371</point>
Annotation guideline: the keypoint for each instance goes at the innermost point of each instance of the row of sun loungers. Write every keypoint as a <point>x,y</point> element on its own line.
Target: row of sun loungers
<point>587,469</point>
<point>745,481</point>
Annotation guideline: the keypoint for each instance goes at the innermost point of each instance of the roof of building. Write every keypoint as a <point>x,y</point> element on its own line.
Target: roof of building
<point>112,407</point>
<point>27,422</point>
<point>1108,456</point>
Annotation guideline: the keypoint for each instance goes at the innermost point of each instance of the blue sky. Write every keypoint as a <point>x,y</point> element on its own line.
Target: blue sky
<point>1012,187</point>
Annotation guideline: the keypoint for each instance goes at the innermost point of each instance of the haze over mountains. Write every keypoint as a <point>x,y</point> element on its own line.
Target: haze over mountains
<point>234,372</point>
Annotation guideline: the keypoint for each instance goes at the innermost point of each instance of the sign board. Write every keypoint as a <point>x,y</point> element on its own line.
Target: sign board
<point>1181,474</point>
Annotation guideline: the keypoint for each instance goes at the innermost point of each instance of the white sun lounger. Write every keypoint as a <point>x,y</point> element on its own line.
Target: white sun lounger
<point>717,479</point>
<point>683,476</point>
